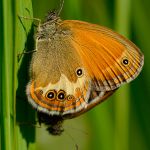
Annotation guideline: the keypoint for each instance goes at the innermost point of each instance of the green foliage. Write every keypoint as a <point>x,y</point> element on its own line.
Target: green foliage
<point>13,37</point>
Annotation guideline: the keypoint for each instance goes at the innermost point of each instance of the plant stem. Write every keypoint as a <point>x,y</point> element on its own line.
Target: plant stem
<point>122,108</point>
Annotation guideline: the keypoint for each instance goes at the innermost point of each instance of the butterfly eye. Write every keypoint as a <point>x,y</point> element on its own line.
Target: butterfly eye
<point>61,95</point>
<point>79,72</point>
<point>51,94</point>
<point>125,61</point>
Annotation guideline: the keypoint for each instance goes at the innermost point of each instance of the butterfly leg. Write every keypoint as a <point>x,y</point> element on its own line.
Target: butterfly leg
<point>24,52</point>
<point>28,18</point>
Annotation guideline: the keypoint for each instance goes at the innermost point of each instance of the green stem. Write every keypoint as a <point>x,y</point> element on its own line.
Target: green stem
<point>25,134</point>
<point>12,40</point>
<point>7,101</point>
<point>122,107</point>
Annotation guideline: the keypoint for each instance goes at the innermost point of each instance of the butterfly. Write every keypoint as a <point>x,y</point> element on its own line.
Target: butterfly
<point>76,66</point>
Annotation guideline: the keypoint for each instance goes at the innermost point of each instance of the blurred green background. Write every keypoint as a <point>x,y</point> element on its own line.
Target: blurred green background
<point>120,123</point>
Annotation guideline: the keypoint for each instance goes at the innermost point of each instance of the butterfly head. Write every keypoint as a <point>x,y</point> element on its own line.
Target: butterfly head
<point>52,15</point>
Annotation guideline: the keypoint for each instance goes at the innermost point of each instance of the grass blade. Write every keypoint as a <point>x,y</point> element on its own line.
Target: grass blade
<point>122,97</point>
<point>13,38</point>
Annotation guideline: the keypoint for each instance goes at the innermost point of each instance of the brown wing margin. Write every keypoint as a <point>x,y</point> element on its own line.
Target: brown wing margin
<point>98,101</point>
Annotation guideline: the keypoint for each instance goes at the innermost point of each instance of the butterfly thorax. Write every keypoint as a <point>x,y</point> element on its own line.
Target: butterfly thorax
<point>47,30</point>
<point>50,27</point>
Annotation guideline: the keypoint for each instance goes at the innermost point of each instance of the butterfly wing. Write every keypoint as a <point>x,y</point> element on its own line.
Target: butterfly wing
<point>55,88</point>
<point>79,67</point>
<point>110,59</point>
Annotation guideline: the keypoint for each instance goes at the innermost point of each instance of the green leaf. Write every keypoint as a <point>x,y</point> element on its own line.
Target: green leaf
<point>14,34</point>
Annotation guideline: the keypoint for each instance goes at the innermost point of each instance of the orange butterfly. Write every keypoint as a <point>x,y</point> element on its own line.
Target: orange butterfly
<point>77,65</point>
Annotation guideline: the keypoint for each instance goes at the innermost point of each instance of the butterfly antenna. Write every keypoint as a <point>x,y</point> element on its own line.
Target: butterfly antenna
<point>60,7</point>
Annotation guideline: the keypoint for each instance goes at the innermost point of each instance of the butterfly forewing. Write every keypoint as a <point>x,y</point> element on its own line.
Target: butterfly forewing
<point>109,58</point>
